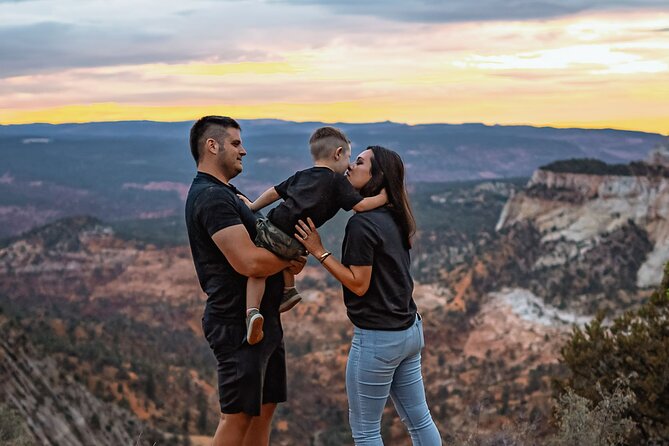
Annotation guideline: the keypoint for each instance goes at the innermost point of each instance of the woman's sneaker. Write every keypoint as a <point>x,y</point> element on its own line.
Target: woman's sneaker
<point>289,299</point>
<point>254,323</point>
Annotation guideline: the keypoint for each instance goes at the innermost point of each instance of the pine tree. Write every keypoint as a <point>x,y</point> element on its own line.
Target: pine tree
<point>635,348</point>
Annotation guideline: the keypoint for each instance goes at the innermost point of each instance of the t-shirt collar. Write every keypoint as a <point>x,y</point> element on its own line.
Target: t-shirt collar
<point>210,177</point>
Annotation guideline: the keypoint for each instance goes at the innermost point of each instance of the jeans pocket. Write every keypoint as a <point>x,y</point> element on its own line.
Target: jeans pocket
<point>421,335</point>
<point>389,345</point>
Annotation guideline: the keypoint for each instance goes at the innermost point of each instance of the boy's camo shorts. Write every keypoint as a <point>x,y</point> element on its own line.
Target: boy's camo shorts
<point>275,240</point>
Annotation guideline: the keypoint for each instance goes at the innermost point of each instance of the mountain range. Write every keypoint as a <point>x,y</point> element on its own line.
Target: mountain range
<point>119,171</point>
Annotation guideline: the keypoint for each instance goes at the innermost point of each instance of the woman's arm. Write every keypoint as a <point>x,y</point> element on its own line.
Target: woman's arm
<point>355,278</point>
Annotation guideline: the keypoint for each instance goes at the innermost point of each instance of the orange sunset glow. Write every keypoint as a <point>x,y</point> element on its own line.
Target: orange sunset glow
<point>589,68</point>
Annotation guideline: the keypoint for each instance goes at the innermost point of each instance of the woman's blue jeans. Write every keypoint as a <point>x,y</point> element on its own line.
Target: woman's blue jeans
<point>383,363</point>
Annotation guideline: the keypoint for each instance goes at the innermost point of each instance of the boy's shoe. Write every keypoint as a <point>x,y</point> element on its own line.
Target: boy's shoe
<point>254,323</point>
<point>289,299</point>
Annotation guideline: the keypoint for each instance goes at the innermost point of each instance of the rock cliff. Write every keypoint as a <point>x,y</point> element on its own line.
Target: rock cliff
<point>576,214</point>
<point>58,409</point>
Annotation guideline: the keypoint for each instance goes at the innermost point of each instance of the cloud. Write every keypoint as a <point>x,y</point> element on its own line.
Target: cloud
<point>44,36</point>
<point>466,10</point>
<point>596,59</point>
<point>41,36</point>
<point>49,46</point>
<point>394,59</point>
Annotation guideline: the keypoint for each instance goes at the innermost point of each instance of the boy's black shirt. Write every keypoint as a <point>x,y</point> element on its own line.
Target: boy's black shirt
<point>317,192</point>
<point>211,206</point>
<point>374,238</point>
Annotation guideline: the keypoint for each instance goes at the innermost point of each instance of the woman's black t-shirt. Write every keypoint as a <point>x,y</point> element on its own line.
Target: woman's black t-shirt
<point>374,238</point>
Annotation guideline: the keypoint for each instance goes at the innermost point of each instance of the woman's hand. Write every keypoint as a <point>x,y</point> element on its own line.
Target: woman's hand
<point>309,237</point>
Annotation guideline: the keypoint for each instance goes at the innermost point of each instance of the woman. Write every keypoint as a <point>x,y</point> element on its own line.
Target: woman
<point>374,271</point>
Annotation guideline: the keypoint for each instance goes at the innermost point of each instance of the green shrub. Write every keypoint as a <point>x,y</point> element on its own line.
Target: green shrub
<point>634,347</point>
<point>13,430</point>
<point>582,423</point>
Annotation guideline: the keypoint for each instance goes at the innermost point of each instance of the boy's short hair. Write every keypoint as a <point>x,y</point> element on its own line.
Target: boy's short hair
<point>325,140</point>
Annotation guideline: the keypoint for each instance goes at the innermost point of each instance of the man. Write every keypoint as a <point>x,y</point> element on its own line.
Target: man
<point>251,378</point>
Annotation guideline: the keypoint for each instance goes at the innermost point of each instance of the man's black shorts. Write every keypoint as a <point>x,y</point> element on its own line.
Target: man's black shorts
<point>248,375</point>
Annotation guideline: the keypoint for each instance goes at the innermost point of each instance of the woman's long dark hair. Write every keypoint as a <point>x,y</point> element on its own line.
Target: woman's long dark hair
<point>388,171</point>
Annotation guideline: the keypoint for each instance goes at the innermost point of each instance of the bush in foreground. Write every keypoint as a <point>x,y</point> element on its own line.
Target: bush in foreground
<point>634,348</point>
<point>13,431</point>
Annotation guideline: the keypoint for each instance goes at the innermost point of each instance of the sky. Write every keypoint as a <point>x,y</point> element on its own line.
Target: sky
<point>567,63</point>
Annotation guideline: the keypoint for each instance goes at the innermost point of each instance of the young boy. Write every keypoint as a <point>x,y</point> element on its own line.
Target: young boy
<point>319,193</point>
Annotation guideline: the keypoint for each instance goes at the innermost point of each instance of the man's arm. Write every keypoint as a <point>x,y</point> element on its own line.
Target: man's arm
<point>369,203</point>
<point>265,199</point>
<point>245,257</point>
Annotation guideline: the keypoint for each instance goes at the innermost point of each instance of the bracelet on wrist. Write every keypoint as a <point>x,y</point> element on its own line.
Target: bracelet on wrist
<point>324,256</point>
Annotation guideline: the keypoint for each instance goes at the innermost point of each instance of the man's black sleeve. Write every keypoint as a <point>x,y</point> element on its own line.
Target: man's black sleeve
<point>218,209</point>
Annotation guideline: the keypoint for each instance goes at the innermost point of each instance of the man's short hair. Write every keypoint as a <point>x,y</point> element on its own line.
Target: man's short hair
<point>325,140</point>
<point>209,127</point>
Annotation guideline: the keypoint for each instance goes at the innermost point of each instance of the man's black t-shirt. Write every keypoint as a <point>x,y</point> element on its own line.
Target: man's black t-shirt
<point>211,206</point>
<point>317,192</point>
<point>374,238</point>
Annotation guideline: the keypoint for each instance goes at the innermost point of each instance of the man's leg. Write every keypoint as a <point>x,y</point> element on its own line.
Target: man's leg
<point>231,429</point>
<point>260,427</point>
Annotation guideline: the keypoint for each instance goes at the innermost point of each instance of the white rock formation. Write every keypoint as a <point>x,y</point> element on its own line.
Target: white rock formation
<point>604,203</point>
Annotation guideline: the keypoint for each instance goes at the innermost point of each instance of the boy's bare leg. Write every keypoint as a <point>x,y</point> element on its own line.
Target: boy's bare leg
<point>255,288</point>
<point>258,432</point>
<point>288,279</point>
<point>232,429</point>
<point>290,295</point>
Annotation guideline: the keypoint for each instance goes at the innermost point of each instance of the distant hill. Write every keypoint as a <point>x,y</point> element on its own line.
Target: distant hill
<point>597,167</point>
<point>142,169</point>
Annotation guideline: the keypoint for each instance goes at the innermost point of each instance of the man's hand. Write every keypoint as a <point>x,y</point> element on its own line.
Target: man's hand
<point>296,266</point>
